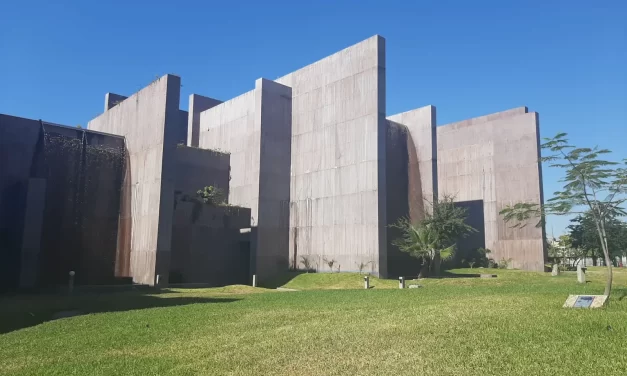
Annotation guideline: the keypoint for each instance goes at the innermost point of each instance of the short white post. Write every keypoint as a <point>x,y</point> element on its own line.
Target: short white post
<point>254,280</point>
<point>366,282</point>
<point>157,280</point>
<point>581,275</point>
<point>71,282</point>
<point>401,282</point>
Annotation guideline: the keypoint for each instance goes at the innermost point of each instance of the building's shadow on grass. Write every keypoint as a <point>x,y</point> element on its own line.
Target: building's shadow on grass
<point>22,311</point>
<point>446,274</point>
<point>283,279</point>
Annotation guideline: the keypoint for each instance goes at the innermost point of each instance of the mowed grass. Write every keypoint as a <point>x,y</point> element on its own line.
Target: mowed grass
<point>511,325</point>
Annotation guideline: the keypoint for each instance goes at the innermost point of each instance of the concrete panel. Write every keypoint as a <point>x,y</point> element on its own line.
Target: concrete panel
<point>495,158</point>
<point>338,124</point>
<point>420,125</point>
<point>255,128</point>
<point>197,104</point>
<point>150,121</point>
<point>273,112</point>
<point>112,100</point>
<point>33,223</point>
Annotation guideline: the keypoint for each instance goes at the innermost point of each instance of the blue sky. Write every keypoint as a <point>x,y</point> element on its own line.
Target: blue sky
<point>566,60</point>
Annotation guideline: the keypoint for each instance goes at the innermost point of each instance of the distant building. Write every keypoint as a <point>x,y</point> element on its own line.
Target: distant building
<point>311,159</point>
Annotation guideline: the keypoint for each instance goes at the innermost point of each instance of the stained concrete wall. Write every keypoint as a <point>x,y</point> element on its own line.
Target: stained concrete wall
<point>197,104</point>
<point>207,246</point>
<point>422,152</point>
<point>337,204</point>
<point>150,120</point>
<point>255,128</point>
<point>495,158</point>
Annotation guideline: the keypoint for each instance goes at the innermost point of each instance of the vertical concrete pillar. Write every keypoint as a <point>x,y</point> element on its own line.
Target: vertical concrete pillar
<point>31,238</point>
<point>197,104</point>
<point>273,120</point>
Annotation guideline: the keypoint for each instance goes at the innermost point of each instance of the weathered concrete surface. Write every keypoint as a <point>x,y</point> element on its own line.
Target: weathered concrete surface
<point>337,204</point>
<point>273,114</point>
<point>197,104</point>
<point>150,121</point>
<point>255,128</point>
<point>420,125</point>
<point>112,100</point>
<point>495,158</point>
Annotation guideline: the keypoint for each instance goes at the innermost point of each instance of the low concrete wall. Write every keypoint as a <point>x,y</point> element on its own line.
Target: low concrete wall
<point>207,246</point>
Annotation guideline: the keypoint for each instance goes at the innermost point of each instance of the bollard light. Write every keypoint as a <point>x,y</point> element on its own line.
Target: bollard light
<point>401,282</point>
<point>366,282</point>
<point>71,281</point>
<point>254,280</point>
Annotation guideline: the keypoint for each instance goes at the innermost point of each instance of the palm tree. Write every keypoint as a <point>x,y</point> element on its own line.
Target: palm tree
<point>423,242</point>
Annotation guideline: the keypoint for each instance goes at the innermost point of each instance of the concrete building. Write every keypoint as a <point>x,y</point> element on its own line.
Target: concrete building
<point>322,167</point>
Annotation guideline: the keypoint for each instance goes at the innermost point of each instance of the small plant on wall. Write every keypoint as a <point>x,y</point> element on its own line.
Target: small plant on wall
<point>211,195</point>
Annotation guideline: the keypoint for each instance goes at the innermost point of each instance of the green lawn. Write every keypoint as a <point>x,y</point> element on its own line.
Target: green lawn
<point>511,325</point>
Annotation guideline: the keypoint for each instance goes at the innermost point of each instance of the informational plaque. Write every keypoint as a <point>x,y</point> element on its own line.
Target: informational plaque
<point>585,301</point>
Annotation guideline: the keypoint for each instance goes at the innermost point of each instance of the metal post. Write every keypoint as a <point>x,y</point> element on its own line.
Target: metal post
<point>254,280</point>
<point>71,282</point>
<point>366,282</point>
<point>157,280</point>
<point>401,282</point>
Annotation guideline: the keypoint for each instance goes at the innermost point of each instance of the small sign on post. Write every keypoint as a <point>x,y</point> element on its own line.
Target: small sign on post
<point>366,282</point>
<point>401,282</point>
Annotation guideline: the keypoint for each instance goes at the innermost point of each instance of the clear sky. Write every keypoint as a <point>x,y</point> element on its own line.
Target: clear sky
<point>566,59</point>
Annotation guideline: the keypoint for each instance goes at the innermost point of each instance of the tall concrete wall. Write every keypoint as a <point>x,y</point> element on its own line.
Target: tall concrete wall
<point>420,125</point>
<point>273,111</point>
<point>150,121</point>
<point>255,128</point>
<point>18,142</point>
<point>337,204</point>
<point>495,158</point>
<point>197,104</point>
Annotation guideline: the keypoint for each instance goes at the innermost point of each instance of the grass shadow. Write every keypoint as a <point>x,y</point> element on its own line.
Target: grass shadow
<point>22,311</point>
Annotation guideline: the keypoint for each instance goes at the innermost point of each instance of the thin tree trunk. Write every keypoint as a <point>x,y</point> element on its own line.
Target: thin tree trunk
<point>436,263</point>
<point>608,263</point>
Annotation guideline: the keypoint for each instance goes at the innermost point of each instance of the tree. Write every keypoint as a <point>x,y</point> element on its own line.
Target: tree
<point>585,239</point>
<point>423,242</point>
<point>433,238</point>
<point>591,184</point>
